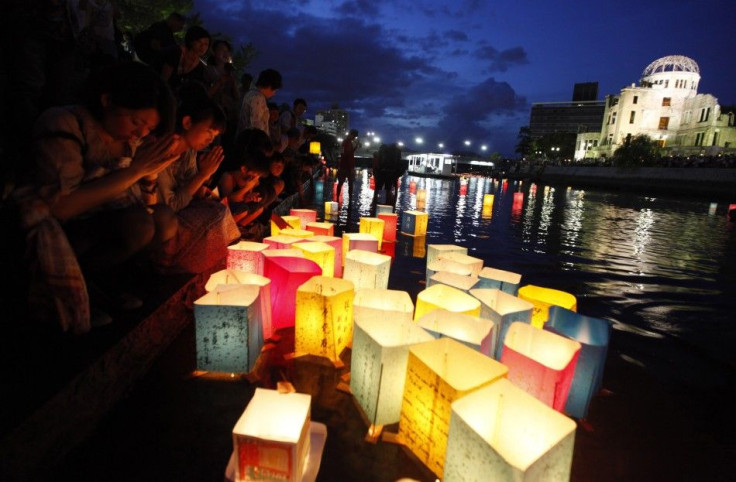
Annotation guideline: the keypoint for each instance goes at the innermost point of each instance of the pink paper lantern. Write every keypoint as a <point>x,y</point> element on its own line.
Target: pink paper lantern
<point>305,216</point>
<point>280,241</point>
<point>364,241</point>
<point>246,256</point>
<point>389,225</point>
<point>286,275</point>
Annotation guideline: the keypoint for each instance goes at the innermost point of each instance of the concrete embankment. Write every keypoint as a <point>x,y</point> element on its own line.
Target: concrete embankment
<point>713,183</point>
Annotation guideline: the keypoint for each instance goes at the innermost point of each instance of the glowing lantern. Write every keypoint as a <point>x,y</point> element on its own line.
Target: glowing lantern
<point>445,297</point>
<point>286,275</point>
<point>502,309</point>
<point>463,187</point>
<point>378,363</point>
<point>461,282</point>
<point>421,196</point>
<point>282,253</point>
<point>271,438</point>
<point>321,228</point>
<point>517,205</point>
<point>372,226</point>
<point>246,256</point>
<point>540,362</point>
<point>438,373</point>
<point>296,233</point>
<point>448,266</point>
<point>434,251</point>
<point>315,148</point>
<point>372,183</point>
<point>488,201</point>
<point>543,298</point>
<point>231,277</point>
<point>331,207</point>
<point>412,187</point>
<point>305,216</point>
<point>280,241</point>
<point>324,317</point>
<point>389,225</point>
<point>367,269</point>
<point>384,209</point>
<point>500,432</point>
<point>321,253</point>
<point>487,212</point>
<point>475,264</point>
<point>364,241</point>
<point>336,244</point>
<point>414,223</point>
<point>389,249</point>
<point>228,329</point>
<point>499,279</point>
<point>471,331</point>
<point>370,304</point>
<point>292,221</point>
<point>712,208</point>
<point>593,335</point>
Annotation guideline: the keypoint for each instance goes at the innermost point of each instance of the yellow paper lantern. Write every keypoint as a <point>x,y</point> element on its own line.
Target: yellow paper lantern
<point>414,223</point>
<point>324,317</point>
<point>246,256</point>
<point>445,297</point>
<point>315,148</point>
<point>271,438</point>
<point>372,226</point>
<point>336,244</point>
<point>378,362</point>
<point>438,373</point>
<point>293,221</point>
<point>421,196</point>
<point>364,241</point>
<point>434,251</point>
<point>475,264</point>
<point>459,281</point>
<point>224,278</point>
<point>321,228</point>
<point>500,432</point>
<point>502,309</point>
<point>488,200</point>
<point>366,269</point>
<point>331,208</point>
<point>321,253</point>
<point>542,298</point>
<point>297,233</point>
<point>471,331</point>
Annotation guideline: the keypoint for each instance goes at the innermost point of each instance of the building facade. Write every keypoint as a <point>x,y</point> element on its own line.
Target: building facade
<point>667,107</point>
<point>333,121</point>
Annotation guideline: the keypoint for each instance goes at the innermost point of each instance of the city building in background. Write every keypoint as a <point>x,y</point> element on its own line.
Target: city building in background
<point>334,121</point>
<point>583,114</point>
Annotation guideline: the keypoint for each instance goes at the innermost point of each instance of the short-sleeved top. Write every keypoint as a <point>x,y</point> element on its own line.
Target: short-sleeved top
<point>254,111</point>
<point>171,181</point>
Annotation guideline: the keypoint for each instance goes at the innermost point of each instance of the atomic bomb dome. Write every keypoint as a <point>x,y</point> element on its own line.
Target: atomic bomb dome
<point>672,63</point>
<point>673,71</point>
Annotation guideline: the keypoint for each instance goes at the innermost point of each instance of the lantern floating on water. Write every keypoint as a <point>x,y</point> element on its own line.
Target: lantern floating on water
<point>367,269</point>
<point>324,317</point>
<point>438,373</point>
<point>292,221</point>
<point>448,266</point>
<point>321,228</point>
<point>370,303</point>
<point>414,223</point>
<point>505,281</point>
<point>461,282</point>
<point>330,208</point>
<point>372,226</point>
<point>233,277</point>
<point>434,251</point>
<point>336,244</point>
<point>540,362</point>
<point>471,331</point>
<point>475,264</point>
<point>297,233</point>
<point>271,438</point>
<point>282,253</point>
<point>286,275</point>
<point>364,241</point>
<point>500,432</point>
<point>280,241</point>
<point>228,329</point>
<point>315,148</point>
<point>384,208</point>
<point>593,334</point>
<point>542,298</point>
<point>246,256</point>
<point>389,225</point>
<point>502,309</point>
<point>444,297</point>
<point>378,364</point>
<point>305,216</point>
<point>321,253</point>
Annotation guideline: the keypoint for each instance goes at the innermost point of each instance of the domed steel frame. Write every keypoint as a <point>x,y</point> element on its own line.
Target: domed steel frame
<point>672,63</point>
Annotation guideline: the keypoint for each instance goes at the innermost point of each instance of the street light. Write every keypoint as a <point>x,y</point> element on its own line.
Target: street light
<point>376,139</point>
<point>467,142</point>
<point>441,145</point>
<point>484,147</point>
<point>419,140</point>
<point>401,143</point>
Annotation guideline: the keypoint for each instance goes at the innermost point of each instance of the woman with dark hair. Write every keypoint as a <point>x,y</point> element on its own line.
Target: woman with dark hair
<point>184,63</point>
<point>94,204</point>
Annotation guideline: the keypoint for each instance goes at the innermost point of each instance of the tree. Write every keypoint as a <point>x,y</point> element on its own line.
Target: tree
<point>525,147</point>
<point>138,15</point>
<point>638,151</point>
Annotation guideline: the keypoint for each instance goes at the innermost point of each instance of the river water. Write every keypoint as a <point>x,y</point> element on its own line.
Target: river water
<point>662,270</point>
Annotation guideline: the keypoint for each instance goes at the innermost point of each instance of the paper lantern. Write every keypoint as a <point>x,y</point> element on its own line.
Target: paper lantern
<point>297,233</point>
<point>517,205</point>
<point>434,251</point>
<point>315,148</point>
<point>447,266</point>
<point>246,256</point>
<point>282,253</point>
<point>543,298</point>
<point>364,241</point>
<point>505,281</point>
<point>471,331</point>
<point>502,309</point>
<point>280,241</point>
<point>461,282</point>
<point>540,362</point>
<point>321,228</point>
<point>321,253</point>
<point>500,432</point>
<point>593,334</point>
<point>389,225</point>
<point>384,209</point>
<point>378,363</point>
<point>271,437</point>
<point>475,264</point>
<point>231,277</point>
<point>414,223</point>
<point>438,373</point>
<point>367,269</point>
<point>336,244</point>
<point>372,226</point>
<point>389,249</point>
<point>324,317</point>
<point>370,303</point>
<point>292,221</point>
<point>488,200</point>
<point>445,297</point>
<point>228,329</point>
<point>421,196</point>
<point>305,216</point>
<point>331,207</point>
<point>412,187</point>
<point>286,275</point>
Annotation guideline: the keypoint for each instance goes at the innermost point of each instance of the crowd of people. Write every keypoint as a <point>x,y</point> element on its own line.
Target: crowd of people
<point>158,163</point>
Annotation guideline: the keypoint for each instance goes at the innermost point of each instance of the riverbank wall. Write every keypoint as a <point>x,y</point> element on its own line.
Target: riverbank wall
<point>711,183</point>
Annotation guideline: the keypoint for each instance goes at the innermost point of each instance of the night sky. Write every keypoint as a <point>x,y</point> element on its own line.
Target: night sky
<point>469,70</point>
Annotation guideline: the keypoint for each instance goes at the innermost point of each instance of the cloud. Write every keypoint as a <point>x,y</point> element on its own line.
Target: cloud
<point>501,61</point>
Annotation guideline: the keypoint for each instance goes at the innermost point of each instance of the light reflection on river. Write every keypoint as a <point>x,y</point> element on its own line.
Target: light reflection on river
<point>658,268</point>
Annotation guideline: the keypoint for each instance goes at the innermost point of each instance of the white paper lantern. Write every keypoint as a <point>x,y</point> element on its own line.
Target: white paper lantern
<point>505,281</point>
<point>246,256</point>
<point>434,251</point>
<point>367,269</point>
<point>447,266</point>
<point>372,303</point>
<point>471,331</point>
<point>459,281</point>
<point>364,241</point>
<point>474,264</point>
<point>225,278</point>
<point>502,309</point>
